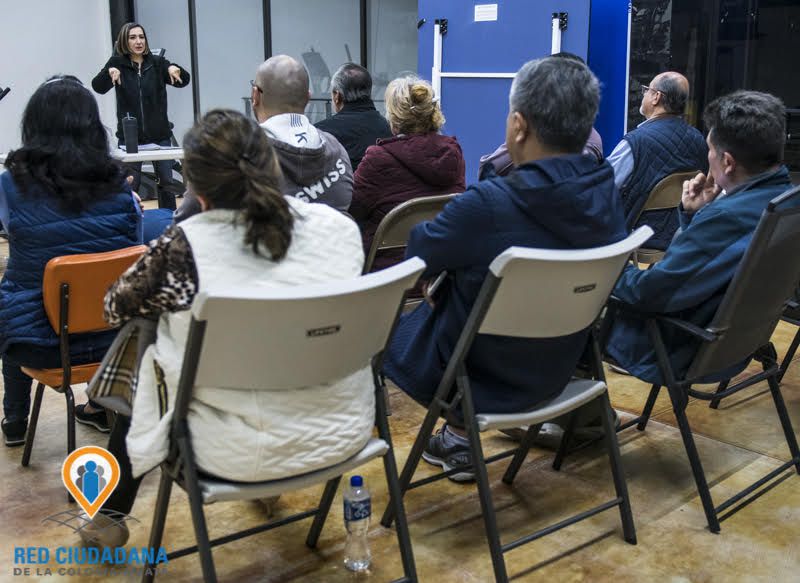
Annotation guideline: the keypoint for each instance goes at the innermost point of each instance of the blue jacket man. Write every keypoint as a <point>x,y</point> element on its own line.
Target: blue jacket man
<point>565,202</point>
<point>718,216</point>
<point>554,198</point>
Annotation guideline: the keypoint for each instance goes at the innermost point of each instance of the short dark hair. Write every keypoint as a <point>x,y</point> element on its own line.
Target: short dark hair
<point>674,92</point>
<point>559,99</point>
<point>353,82</point>
<point>750,126</point>
<point>121,46</point>
<point>64,149</point>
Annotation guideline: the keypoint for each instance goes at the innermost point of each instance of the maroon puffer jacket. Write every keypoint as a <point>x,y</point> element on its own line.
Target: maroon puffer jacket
<point>400,168</point>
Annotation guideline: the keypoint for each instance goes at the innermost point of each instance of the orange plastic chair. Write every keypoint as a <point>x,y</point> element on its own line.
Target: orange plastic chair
<point>73,289</point>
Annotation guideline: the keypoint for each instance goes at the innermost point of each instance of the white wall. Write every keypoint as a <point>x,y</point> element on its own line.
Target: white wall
<point>229,50</point>
<point>41,38</point>
<point>327,27</point>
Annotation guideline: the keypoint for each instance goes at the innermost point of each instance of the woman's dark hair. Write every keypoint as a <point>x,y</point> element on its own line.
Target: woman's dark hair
<point>229,161</point>
<point>65,147</point>
<point>121,44</point>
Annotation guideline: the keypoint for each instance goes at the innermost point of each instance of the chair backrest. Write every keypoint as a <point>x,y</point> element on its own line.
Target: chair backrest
<point>754,301</point>
<point>393,230</point>
<point>89,276</point>
<point>545,293</point>
<point>292,337</point>
<point>667,193</point>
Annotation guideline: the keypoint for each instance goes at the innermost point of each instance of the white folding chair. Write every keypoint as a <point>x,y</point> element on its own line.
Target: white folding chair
<point>287,338</point>
<point>531,293</point>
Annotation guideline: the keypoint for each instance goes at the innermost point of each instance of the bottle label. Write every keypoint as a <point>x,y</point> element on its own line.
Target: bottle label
<point>357,509</point>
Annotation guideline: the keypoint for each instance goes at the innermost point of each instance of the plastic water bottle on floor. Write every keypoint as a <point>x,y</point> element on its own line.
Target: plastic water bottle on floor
<point>357,510</point>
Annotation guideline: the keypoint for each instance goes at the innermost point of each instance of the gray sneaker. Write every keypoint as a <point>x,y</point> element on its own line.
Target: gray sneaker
<point>439,454</point>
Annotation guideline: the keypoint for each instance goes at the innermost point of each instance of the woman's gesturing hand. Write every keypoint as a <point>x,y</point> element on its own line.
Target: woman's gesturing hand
<point>114,74</point>
<point>174,74</point>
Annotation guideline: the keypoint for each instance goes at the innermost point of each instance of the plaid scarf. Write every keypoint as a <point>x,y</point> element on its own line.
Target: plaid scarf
<point>114,383</point>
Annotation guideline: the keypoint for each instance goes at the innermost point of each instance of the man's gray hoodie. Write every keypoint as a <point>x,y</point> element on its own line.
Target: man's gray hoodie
<point>315,166</point>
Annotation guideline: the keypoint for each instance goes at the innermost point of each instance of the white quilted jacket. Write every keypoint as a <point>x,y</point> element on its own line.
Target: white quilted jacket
<point>248,435</point>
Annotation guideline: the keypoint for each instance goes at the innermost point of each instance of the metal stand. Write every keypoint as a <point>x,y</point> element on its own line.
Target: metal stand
<point>559,26</point>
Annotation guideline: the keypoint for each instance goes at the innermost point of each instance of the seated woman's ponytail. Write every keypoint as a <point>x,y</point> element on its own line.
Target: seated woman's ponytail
<point>230,163</point>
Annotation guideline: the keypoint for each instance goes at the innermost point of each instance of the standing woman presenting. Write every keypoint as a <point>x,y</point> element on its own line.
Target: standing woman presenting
<point>140,79</point>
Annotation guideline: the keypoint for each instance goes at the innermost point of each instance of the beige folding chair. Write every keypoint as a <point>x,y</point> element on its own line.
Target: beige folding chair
<point>318,334</point>
<point>665,195</point>
<point>393,231</point>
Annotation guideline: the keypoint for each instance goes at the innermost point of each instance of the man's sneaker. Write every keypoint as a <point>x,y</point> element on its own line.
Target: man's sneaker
<point>98,420</point>
<point>449,457</point>
<point>618,369</point>
<point>104,531</point>
<point>14,432</point>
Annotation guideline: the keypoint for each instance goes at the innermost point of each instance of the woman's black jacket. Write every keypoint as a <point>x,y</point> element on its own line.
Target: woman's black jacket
<point>143,94</point>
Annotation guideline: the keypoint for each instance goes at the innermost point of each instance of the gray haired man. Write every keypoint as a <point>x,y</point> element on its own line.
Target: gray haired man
<point>357,124</point>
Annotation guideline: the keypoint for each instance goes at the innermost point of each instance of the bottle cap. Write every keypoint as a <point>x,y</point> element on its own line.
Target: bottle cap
<point>356,481</point>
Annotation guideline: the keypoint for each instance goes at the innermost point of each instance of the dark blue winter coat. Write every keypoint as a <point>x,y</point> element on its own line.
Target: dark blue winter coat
<point>39,229</point>
<point>691,279</point>
<point>567,202</point>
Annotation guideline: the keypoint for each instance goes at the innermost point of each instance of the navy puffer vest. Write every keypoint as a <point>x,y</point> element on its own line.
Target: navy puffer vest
<point>660,147</point>
<point>40,229</point>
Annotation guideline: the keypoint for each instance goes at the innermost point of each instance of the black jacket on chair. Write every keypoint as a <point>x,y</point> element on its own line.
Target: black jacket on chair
<point>143,95</point>
<point>357,127</point>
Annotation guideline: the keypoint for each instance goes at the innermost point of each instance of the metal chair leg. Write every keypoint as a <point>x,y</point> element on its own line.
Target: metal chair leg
<point>34,419</point>
<point>614,458</point>
<point>70,419</point>
<point>522,453</point>
<point>198,517</point>
<point>159,521</point>
<point>786,422</point>
<point>563,447</point>
<point>322,511</point>
<point>787,360</point>
<point>679,407</point>
<point>412,461</point>
<point>482,478</point>
<point>648,407</point>
<point>401,523</point>
<point>714,404</point>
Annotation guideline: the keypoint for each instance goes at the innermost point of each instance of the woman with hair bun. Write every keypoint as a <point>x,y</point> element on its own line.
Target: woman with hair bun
<point>416,161</point>
<point>247,235</point>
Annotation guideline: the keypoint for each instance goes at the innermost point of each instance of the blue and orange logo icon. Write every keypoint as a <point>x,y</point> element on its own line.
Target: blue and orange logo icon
<point>90,474</point>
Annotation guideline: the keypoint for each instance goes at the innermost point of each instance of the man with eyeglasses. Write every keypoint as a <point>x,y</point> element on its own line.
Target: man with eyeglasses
<point>315,167</point>
<point>661,145</point>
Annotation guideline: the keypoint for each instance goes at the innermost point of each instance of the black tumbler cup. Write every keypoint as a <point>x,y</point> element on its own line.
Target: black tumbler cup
<point>130,131</point>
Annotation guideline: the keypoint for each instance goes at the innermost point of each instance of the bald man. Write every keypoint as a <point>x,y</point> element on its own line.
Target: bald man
<point>661,145</point>
<point>315,166</point>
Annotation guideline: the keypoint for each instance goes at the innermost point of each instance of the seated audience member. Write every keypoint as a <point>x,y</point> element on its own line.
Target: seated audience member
<point>62,194</point>
<point>357,124</point>
<point>315,167</point>
<point>247,234</point>
<point>417,161</point>
<point>554,198</point>
<point>500,160</point>
<point>661,145</point>
<point>718,215</point>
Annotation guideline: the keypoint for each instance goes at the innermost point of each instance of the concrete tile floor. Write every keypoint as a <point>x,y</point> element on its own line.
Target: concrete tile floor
<point>737,443</point>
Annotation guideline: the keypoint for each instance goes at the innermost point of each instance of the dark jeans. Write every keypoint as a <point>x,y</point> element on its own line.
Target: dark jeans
<point>163,168</point>
<point>123,497</point>
<point>17,393</point>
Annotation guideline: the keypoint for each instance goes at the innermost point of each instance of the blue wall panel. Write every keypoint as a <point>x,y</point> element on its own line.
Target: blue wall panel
<point>608,57</point>
<point>476,109</point>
